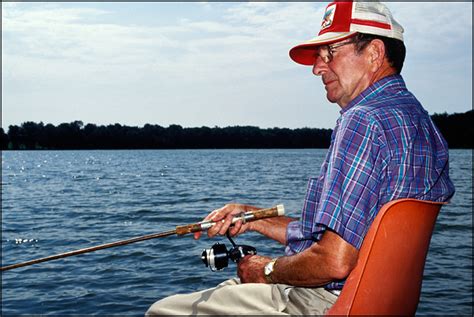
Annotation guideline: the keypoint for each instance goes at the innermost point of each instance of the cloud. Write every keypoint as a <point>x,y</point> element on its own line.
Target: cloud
<point>435,27</point>
<point>69,33</point>
<point>250,35</point>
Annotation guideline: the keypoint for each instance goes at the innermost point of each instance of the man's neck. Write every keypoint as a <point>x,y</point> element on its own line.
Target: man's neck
<point>384,71</point>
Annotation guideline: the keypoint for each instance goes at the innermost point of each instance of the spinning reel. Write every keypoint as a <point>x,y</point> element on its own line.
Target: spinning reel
<point>217,257</point>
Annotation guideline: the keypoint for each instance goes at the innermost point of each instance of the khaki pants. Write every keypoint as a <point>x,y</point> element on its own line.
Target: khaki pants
<point>233,298</point>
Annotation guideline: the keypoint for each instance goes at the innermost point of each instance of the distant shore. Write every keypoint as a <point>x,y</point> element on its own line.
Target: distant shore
<point>456,128</point>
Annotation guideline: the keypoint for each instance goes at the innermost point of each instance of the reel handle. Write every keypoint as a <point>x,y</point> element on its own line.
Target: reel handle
<point>276,211</point>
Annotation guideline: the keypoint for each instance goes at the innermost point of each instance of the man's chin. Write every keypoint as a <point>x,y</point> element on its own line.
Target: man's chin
<point>331,98</point>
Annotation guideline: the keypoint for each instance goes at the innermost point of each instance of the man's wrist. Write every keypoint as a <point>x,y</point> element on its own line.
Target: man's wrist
<point>268,271</point>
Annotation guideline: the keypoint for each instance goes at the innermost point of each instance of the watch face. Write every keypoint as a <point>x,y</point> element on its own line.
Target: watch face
<point>269,268</point>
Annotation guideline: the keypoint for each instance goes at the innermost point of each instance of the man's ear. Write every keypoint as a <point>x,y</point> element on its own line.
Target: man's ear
<point>376,54</point>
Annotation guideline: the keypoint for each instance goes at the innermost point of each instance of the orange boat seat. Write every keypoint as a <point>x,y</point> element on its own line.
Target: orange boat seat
<point>389,271</point>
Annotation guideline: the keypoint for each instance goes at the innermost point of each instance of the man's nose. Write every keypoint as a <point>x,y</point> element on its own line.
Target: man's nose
<point>319,66</point>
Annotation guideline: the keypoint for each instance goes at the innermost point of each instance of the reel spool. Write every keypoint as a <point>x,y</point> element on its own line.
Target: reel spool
<point>217,257</point>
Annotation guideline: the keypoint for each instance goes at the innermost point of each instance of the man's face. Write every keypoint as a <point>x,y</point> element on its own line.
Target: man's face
<point>344,72</point>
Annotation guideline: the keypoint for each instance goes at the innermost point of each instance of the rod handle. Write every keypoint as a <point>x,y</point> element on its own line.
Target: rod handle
<point>258,214</point>
<point>278,210</point>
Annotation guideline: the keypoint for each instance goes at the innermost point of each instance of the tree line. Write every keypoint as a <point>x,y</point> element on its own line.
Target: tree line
<point>456,128</point>
<point>76,135</point>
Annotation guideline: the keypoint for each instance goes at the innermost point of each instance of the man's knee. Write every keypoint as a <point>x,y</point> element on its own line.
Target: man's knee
<point>161,307</point>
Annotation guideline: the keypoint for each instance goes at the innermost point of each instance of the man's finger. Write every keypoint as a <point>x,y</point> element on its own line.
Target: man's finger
<point>225,224</point>
<point>236,228</point>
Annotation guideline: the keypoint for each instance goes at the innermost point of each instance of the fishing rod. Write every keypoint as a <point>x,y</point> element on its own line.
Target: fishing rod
<point>248,216</point>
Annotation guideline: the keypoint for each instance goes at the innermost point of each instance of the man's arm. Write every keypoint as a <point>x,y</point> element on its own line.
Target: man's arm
<point>332,258</point>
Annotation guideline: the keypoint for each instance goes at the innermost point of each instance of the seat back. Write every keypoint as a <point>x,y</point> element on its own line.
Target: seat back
<point>389,271</point>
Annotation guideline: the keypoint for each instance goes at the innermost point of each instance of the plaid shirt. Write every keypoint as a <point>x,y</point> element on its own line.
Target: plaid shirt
<point>384,147</point>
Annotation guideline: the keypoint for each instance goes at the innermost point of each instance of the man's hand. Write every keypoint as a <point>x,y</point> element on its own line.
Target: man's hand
<point>223,218</point>
<point>251,269</point>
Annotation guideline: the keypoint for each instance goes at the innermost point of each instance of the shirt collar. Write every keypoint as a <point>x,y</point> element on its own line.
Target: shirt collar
<point>390,82</point>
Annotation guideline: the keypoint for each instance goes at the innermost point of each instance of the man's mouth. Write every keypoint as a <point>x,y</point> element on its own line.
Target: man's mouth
<point>328,81</point>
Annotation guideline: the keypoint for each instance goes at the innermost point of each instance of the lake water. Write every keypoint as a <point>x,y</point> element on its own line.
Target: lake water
<point>56,201</point>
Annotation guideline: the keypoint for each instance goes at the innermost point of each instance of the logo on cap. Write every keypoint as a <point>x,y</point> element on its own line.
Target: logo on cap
<point>328,16</point>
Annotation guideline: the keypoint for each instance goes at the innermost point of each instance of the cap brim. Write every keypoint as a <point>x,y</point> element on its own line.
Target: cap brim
<point>304,52</point>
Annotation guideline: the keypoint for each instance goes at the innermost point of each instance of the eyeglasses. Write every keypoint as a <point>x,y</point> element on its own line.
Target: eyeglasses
<point>326,52</point>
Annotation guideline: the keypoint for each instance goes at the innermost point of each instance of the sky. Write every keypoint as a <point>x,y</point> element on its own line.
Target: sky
<point>205,63</point>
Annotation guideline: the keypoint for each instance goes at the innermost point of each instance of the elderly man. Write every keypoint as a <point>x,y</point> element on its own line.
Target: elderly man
<point>384,147</point>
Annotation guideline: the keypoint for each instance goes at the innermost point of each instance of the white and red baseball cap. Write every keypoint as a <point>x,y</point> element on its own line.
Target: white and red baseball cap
<point>344,19</point>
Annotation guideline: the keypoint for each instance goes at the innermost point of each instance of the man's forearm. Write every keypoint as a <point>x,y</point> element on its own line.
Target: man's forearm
<point>328,260</point>
<point>273,228</point>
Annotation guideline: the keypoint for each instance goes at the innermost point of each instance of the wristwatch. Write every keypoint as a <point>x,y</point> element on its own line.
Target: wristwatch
<point>268,269</point>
